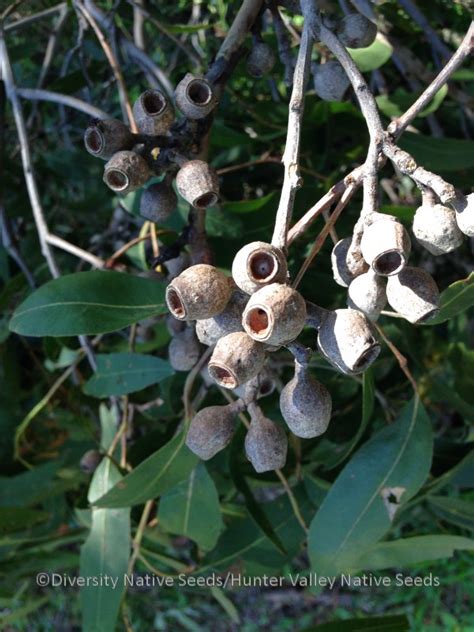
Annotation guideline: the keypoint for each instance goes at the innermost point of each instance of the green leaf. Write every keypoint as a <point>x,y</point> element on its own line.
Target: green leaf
<point>373,56</point>
<point>20,518</point>
<point>395,104</point>
<point>454,510</point>
<point>397,623</point>
<point>122,373</point>
<point>439,154</point>
<point>161,471</point>
<point>360,506</point>
<point>22,613</point>
<point>248,206</point>
<point>455,299</point>
<point>220,596</point>
<point>410,551</point>
<point>88,303</point>
<point>192,509</point>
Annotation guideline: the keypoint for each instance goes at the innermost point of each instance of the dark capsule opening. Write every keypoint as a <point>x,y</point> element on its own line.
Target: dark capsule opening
<point>222,376</point>
<point>175,304</point>
<point>266,387</point>
<point>94,140</point>
<point>199,92</point>
<point>262,265</point>
<point>428,316</point>
<point>153,103</point>
<point>116,180</point>
<point>205,200</point>
<point>258,321</point>
<point>388,263</point>
<point>367,357</point>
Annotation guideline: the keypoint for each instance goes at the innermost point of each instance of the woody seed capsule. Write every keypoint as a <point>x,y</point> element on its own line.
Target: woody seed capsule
<point>347,340</point>
<point>340,270</point>
<point>211,430</point>
<point>276,314</point>
<point>158,202</point>
<point>104,138</point>
<point>198,184</point>
<point>209,330</point>
<point>126,171</point>
<point>153,113</point>
<point>330,81</point>
<point>356,31</point>
<point>195,97</point>
<point>236,359</point>
<point>184,350</point>
<point>305,404</point>
<point>266,444</point>
<point>385,245</point>
<point>257,264</point>
<point>201,291</point>
<point>367,294</point>
<point>261,60</point>
<point>464,207</point>
<point>436,229</point>
<point>413,294</point>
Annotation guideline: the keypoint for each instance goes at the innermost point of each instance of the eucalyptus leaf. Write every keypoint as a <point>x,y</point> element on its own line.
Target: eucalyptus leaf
<point>455,299</point>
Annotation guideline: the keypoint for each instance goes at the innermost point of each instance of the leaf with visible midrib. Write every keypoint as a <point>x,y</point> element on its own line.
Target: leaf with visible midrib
<point>84,303</point>
<point>455,299</point>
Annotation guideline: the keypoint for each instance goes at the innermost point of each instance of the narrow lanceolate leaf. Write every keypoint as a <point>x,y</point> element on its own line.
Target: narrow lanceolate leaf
<point>454,510</point>
<point>88,303</point>
<point>455,299</point>
<point>397,623</point>
<point>192,509</point>
<point>122,373</point>
<point>161,471</point>
<point>410,551</point>
<point>359,508</point>
<point>106,551</point>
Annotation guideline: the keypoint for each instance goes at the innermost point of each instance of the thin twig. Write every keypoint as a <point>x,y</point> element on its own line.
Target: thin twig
<point>188,385</point>
<point>59,242</point>
<point>36,16</point>
<point>239,28</point>
<point>402,361</point>
<point>63,99</point>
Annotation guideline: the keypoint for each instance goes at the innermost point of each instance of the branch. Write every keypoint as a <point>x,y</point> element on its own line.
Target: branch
<point>241,25</point>
<point>59,242</point>
<point>36,16</point>
<point>63,99</point>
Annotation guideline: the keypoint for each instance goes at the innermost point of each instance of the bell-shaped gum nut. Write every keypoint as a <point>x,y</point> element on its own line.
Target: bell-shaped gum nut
<point>184,350</point>
<point>436,229</point>
<point>464,207</point>
<point>201,291</point>
<point>261,60</point>
<point>211,430</point>
<point>90,460</point>
<point>153,113</point>
<point>236,359</point>
<point>258,264</point>
<point>367,294</point>
<point>266,444</point>
<point>210,330</point>
<point>340,270</point>
<point>104,138</point>
<point>356,31</point>
<point>348,341</point>
<point>276,314</point>
<point>175,266</point>
<point>305,404</point>
<point>195,97</point>
<point>198,184</point>
<point>386,246</point>
<point>158,202</point>
<point>330,81</point>
<point>413,294</point>
<point>126,171</point>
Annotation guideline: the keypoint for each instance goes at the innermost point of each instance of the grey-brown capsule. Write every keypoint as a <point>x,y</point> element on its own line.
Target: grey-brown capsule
<point>261,60</point>
<point>158,202</point>
<point>126,171</point>
<point>330,81</point>
<point>236,359</point>
<point>436,229</point>
<point>347,340</point>
<point>174,326</point>
<point>414,294</point>
<point>104,138</point>
<point>211,430</point>
<point>153,112</point>
<point>175,266</point>
<point>258,264</point>
<point>210,330</point>
<point>198,184</point>
<point>184,350</point>
<point>201,291</point>
<point>356,31</point>
<point>275,314</point>
<point>195,97</point>
<point>367,294</point>
<point>340,270</point>
<point>90,460</point>
<point>386,246</point>
<point>305,404</point>
<point>464,207</point>
<point>266,444</point>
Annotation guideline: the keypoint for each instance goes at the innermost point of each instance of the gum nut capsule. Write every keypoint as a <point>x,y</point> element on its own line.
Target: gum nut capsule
<point>347,340</point>
<point>276,314</point>
<point>184,350</point>
<point>340,270</point>
<point>174,326</point>
<point>201,291</point>
<point>386,246</point>
<point>195,97</point>
<point>305,404</point>
<point>211,430</point>
<point>266,444</point>
<point>236,359</point>
<point>257,264</point>
<point>367,294</point>
<point>210,330</point>
<point>413,294</point>
<point>436,229</point>
<point>464,207</point>
<point>90,460</point>
<point>126,171</point>
<point>175,266</point>
<point>330,81</point>
<point>356,31</point>
<point>158,202</point>
<point>153,113</point>
<point>261,60</point>
<point>104,138</point>
<point>198,184</point>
